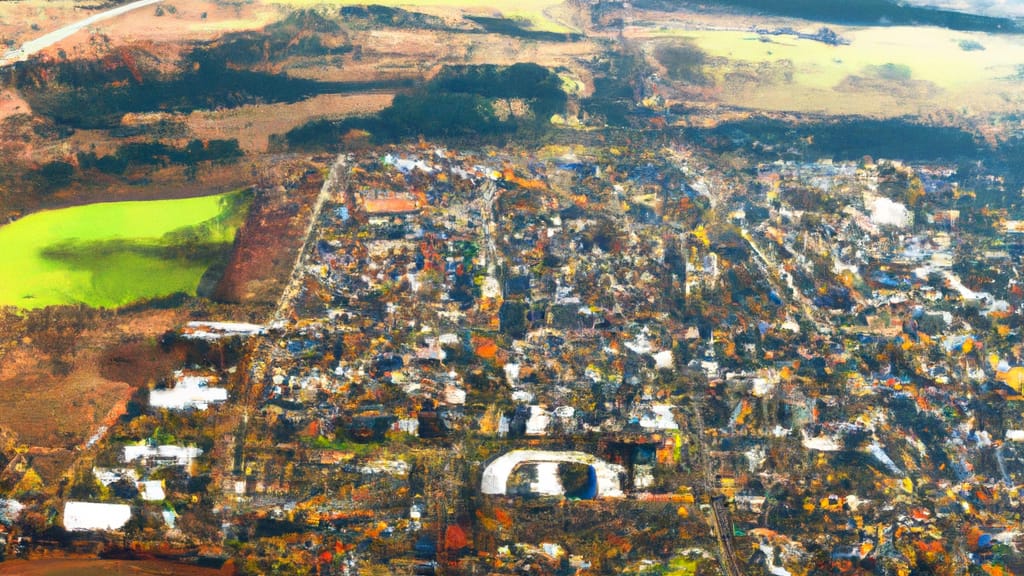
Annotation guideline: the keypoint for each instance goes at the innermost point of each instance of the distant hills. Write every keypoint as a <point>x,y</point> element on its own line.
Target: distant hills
<point>997,8</point>
<point>864,13</point>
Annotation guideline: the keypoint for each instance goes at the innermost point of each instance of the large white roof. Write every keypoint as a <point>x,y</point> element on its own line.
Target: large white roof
<point>95,516</point>
<point>189,392</point>
<point>182,455</point>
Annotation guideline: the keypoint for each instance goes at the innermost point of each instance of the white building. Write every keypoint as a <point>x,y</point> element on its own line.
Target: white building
<point>188,392</point>
<point>152,490</point>
<point>496,474</point>
<point>538,422</point>
<point>81,516</point>
<point>659,417</point>
<point>167,453</point>
<point>217,330</point>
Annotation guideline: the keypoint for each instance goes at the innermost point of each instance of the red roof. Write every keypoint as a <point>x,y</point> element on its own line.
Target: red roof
<point>390,205</point>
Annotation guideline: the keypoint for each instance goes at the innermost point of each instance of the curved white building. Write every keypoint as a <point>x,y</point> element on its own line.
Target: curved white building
<point>607,475</point>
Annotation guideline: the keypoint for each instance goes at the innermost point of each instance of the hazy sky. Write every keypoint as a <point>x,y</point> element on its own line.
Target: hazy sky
<point>1012,8</point>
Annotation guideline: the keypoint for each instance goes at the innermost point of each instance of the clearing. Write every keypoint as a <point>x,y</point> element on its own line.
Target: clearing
<point>112,254</point>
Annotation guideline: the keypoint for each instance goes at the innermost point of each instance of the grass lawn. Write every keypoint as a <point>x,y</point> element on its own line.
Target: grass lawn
<point>112,254</point>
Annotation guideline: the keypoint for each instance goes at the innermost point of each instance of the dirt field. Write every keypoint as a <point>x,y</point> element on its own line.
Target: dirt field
<point>96,567</point>
<point>11,104</point>
<point>53,411</point>
<point>186,23</point>
<point>48,411</point>
<point>252,126</point>
<point>265,246</point>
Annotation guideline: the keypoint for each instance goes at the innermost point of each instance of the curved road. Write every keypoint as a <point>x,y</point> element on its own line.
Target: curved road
<point>49,39</point>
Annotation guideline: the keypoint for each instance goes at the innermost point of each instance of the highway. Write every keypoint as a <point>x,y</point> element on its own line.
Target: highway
<point>50,38</point>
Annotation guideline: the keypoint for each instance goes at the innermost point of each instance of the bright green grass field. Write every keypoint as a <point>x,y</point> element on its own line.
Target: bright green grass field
<point>113,254</point>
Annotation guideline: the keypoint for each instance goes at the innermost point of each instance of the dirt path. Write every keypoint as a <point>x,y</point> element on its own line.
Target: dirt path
<point>334,184</point>
<point>49,39</point>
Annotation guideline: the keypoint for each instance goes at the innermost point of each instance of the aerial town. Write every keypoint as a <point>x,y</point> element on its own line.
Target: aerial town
<point>511,361</point>
<point>507,326</point>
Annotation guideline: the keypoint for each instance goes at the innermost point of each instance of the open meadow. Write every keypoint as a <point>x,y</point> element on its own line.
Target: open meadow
<point>881,72</point>
<point>112,254</point>
<point>536,15</point>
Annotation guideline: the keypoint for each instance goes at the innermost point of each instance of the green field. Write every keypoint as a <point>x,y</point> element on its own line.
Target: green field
<point>536,15</point>
<point>113,254</point>
<point>883,72</point>
<point>931,54</point>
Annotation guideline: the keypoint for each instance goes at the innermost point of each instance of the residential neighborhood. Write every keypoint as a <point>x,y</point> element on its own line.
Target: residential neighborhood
<point>580,288</point>
<point>479,348</point>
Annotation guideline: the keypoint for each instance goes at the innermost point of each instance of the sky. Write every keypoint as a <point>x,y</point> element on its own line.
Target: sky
<point>1008,8</point>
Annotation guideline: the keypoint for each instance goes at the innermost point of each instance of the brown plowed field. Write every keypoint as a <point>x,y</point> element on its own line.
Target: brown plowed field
<point>265,246</point>
<point>96,567</point>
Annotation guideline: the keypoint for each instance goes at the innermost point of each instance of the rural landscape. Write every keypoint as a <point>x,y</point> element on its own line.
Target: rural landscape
<point>581,287</point>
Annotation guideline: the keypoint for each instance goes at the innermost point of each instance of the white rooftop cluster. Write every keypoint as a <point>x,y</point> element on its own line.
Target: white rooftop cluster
<point>885,212</point>
<point>180,455</point>
<point>214,330</point>
<point>188,392</point>
<point>659,417</point>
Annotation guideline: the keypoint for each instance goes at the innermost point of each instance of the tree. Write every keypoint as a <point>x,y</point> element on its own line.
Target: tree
<point>84,485</point>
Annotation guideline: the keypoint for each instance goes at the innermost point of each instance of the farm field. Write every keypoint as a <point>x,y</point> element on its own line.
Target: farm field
<point>538,15</point>
<point>91,567</point>
<point>882,72</point>
<point>253,125</point>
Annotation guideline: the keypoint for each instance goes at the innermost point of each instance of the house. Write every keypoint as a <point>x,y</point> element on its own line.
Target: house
<point>83,516</point>
<point>529,420</point>
<point>390,205</point>
<point>152,490</point>
<point>188,392</point>
<point>166,454</point>
<point>658,417</point>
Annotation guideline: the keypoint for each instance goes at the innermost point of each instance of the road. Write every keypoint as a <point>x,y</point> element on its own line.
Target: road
<point>334,185</point>
<point>260,349</point>
<point>50,38</point>
<point>490,193</point>
<point>766,265</point>
<point>721,524</point>
<point>723,531</point>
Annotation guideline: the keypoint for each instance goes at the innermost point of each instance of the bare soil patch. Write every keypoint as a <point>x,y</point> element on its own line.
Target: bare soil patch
<point>11,104</point>
<point>46,409</point>
<point>253,125</point>
<point>96,567</point>
<point>59,411</point>
<point>138,363</point>
<point>190,20</point>
<point>265,246</point>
